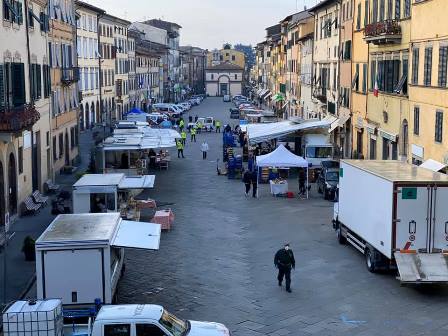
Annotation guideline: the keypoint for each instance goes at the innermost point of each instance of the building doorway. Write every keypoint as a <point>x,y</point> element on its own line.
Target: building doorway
<point>87,112</point>
<point>67,150</point>
<point>12,184</point>
<point>223,89</point>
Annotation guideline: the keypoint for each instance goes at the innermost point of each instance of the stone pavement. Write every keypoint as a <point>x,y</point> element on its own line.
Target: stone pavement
<point>216,263</point>
<point>21,274</point>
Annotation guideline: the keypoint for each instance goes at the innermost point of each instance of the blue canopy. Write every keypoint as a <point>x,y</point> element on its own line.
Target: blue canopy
<point>135,111</point>
<point>166,124</point>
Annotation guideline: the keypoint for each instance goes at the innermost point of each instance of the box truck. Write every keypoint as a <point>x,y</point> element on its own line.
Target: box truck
<point>79,257</point>
<point>396,214</point>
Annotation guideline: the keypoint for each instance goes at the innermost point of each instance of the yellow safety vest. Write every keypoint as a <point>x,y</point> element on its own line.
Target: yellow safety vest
<point>179,145</point>
<point>183,135</point>
<point>193,131</point>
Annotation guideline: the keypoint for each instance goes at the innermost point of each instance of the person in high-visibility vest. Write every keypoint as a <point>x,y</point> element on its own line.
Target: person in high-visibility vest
<point>180,149</point>
<point>193,134</point>
<point>218,126</point>
<point>181,124</point>
<point>183,136</point>
<point>199,126</point>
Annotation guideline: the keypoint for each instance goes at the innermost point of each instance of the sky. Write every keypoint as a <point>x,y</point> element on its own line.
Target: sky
<point>209,23</point>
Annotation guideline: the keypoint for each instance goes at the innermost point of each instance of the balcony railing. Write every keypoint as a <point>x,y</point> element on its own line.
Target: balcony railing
<point>69,75</point>
<point>384,32</point>
<point>16,119</point>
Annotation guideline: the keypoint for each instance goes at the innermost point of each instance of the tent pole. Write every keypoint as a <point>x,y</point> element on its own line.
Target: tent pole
<point>307,183</point>
<point>258,174</point>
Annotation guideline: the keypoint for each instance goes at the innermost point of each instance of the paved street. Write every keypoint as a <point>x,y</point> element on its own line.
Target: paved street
<point>217,262</point>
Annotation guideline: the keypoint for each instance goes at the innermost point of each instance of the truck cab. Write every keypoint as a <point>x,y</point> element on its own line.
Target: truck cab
<point>317,148</point>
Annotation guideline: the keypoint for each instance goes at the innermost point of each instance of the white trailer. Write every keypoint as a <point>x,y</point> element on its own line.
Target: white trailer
<point>396,214</point>
<point>317,148</point>
<point>79,258</point>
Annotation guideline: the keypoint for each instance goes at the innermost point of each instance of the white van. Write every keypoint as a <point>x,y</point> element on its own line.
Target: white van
<point>169,109</point>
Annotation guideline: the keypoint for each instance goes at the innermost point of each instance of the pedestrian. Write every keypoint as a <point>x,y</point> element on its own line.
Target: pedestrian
<point>204,150</point>
<point>199,125</point>
<point>183,136</point>
<point>227,129</point>
<point>288,147</point>
<point>254,180</point>
<point>181,125</point>
<point>218,126</point>
<point>246,181</point>
<point>196,118</point>
<point>193,134</point>
<point>190,119</point>
<point>302,180</point>
<point>180,149</point>
<point>284,261</point>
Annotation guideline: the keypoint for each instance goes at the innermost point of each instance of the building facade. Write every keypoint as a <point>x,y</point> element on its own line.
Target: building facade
<point>64,85</point>
<point>89,63</point>
<point>224,79</point>
<point>226,55</point>
<point>193,69</point>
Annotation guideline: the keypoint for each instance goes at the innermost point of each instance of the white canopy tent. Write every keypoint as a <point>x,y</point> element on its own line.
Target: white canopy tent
<point>282,158</point>
<point>433,165</point>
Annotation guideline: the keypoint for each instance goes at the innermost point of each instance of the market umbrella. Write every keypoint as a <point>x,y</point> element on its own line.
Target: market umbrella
<point>135,111</point>
<point>166,124</point>
<point>278,97</point>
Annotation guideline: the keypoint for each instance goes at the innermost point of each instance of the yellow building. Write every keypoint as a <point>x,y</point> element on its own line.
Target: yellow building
<point>386,123</point>
<point>226,55</point>
<point>428,95</point>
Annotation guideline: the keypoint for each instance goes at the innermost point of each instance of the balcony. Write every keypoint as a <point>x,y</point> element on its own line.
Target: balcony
<point>69,75</point>
<point>17,119</point>
<point>384,32</point>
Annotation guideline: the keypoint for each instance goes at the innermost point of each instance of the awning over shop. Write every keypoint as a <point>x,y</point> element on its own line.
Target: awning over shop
<point>137,182</point>
<point>268,94</point>
<point>138,235</point>
<point>433,165</point>
<point>262,92</point>
<point>337,122</point>
<point>263,132</point>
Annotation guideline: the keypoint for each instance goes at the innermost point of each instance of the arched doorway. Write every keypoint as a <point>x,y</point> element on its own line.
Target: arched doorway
<point>81,118</point>
<point>87,112</point>
<point>12,184</point>
<point>92,114</point>
<point>223,85</point>
<point>2,195</point>
<point>97,120</point>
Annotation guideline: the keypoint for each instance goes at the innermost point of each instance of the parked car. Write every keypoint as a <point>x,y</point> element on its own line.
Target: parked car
<point>186,105</point>
<point>327,183</point>
<point>234,113</point>
<point>226,98</point>
<point>168,109</point>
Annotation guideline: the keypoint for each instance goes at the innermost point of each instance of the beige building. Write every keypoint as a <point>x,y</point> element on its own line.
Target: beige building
<point>224,79</point>
<point>226,54</point>
<point>24,105</point>
<point>64,85</point>
<point>88,63</point>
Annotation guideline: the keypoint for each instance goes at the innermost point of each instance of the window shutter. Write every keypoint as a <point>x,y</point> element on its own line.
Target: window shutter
<point>2,87</point>
<point>39,81</point>
<point>19,13</point>
<point>18,84</point>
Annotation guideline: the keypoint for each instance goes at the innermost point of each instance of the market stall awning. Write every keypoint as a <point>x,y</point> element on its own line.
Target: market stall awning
<point>138,235</point>
<point>137,182</point>
<point>285,104</point>
<point>262,92</point>
<point>281,157</point>
<point>268,94</point>
<point>433,165</point>
<point>263,132</point>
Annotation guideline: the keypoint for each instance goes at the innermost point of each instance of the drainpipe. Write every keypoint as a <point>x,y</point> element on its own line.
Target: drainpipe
<point>100,74</point>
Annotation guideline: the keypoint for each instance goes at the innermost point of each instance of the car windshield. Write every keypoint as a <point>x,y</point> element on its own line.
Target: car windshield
<point>318,152</point>
<point>173,324</point>
<point>332,176</point>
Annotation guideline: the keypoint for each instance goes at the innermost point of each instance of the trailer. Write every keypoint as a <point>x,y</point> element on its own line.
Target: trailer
<point>396,214</point>
<point>79,257</point>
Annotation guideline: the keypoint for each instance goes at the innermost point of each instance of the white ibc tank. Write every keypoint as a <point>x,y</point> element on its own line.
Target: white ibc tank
<point>33,318</point>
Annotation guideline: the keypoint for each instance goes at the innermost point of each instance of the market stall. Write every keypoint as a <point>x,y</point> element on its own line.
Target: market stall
<point>96,193</point>
<point>281,158</point>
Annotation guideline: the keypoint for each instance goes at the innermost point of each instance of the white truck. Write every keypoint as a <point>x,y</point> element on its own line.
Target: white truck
<point>317,148</point>
<point>396,214</point>
<point>79,257</point>
<point>45,318</point>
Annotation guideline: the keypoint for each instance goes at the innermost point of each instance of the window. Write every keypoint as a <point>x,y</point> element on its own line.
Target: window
<point>47,139</point>
<point>443,53</point>
<point>388,75</point>
<point>372,74</point>
<point>355,83</point>
<point>415,61</point>
<point>148,330</point>
<point>364,78</point>
<point>389,9</point>
<point>334,76</point>
<point>366,12</point>
<point>416,120</point>
<point>20,159</point>
<point>386,149</point>
<point>72,138</point>
<point>407,8</point>
<point>358,18</point>
<point>117,330</point>
<point>427,67</point>
<point>372,149</point>
<point>212,76</point>
<point>382,9</point>
<point>61,145</point>
<point>375,11</point>
<point>397,9</point>
<point>233,57</point>
<point>439,128</point>
<point>12,11</point>
<point>236,76</point>
<point>55,153</point>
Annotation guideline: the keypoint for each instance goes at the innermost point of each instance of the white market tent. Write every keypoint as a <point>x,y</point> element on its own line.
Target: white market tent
<point>264,132</point>
<point>282,158</point>
<point>433,165</point>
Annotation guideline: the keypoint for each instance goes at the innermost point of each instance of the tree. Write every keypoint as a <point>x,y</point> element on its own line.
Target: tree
<point>248,51</point>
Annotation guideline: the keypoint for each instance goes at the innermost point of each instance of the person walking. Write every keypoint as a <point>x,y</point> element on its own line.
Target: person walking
<point>247,181</point>
<point>302,179</point>
<point>254,180</point>
<point>204,150</point>
<point>180,149</point>
<point>181,125</point>
<point>218,126</point>
<point>193,134</point>
<point>284,261</point>
<point>199,126</point>
<point>183,136</point>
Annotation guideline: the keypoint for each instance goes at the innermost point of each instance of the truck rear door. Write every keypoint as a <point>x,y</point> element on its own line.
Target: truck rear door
<point>439,222</point>
<point>412,218</point>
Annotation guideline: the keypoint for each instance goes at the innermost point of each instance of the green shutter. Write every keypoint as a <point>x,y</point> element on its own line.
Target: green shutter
<point>39,81</point>
<point>18,84</point>
<point>2,87</point>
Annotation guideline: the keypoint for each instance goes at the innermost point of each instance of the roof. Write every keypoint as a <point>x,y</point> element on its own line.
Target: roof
<point>97,228</point>
<point>272,30</point>
<point>397,171</point>
<point>116,19</point>
<point>99,180</point>
<point>166,25</point>
<point>299,17</point>
<point>322,4</point>
<point>225,66</point>
<point>130,311</point>
<point>89,6</point>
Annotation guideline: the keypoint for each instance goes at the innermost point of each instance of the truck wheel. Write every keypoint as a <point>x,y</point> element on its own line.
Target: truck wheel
<point>370,260</point>
<point>341,239</point>
<point>325,194</point>
<point>319,190</point>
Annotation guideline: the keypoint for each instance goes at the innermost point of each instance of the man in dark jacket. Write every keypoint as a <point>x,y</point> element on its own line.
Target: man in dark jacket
<point>246,180</point>
<point>254,180</point>
<point>284,261</point>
